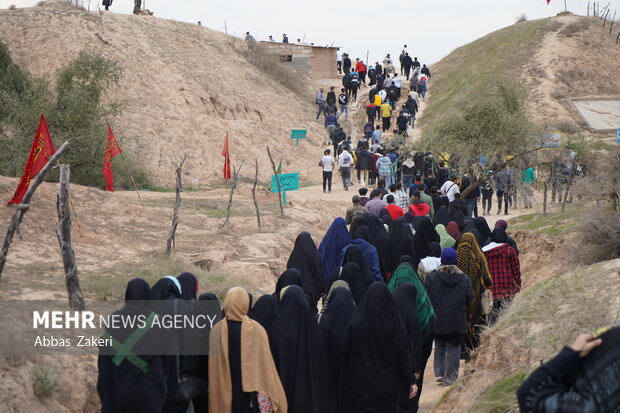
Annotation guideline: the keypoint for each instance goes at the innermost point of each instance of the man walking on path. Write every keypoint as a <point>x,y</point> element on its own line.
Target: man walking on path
<point>407,63</point>
<point>503,184</point>
<point>345,160</point>
<point>449,289</point>
<point>320,103</point>
<point>528,177</point>
<point>327,163</point>
<point>360,68</point>
<point>339,61</point>
<point>384,166</point>
<point>330,126</point>
<point>425,70</point>
<point>331,101</point>
<point>346,64</point>
<point>356,211</point>
<point>376,204</point>
<point>343,100</point>
<point>386,116</point>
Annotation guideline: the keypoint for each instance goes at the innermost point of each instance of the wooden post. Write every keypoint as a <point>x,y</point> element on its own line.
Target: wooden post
<point>611,25</point>
<point>76,300</point>
<point>275,172</point>
<point>170,242</point>
<point>254,192</point>
<point>232,191</point>
<point>23,207</point>
<point>588,10</point>
<point>605,17</point>
<point>617,37</point>
<point>132,180</point>
<point>565,8</point>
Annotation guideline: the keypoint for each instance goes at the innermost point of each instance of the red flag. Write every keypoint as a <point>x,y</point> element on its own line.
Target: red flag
<point>226,155</point>
<point>111,150</point>
<point>548,1</point>
<point>40,151</point>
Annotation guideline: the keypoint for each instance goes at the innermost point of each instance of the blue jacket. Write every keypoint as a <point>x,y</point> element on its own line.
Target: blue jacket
<point>370,254</point>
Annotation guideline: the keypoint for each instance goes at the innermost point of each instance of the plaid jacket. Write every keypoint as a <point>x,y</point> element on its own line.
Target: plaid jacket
<point>505,271</point>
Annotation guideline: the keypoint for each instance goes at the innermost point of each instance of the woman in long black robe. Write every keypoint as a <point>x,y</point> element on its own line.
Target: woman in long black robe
<point>201,403</point>
<point>189,286</point>
<point>358,283</point>
<point>377,237</point>
<point>405,298</point>
<point>400,240</point>
<point>264,311</point>
<point>334,320</point>
<point>306,258</point>
<point>442,216</point>
<point>292,276</point>
<point>485,232</point>
<point>124,386</point>
<point>424,235</point>
<point>297,346</point>
<point>377,358</point>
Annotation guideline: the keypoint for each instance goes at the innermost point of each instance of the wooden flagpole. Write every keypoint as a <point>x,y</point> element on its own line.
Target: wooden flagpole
<point>131,176</point>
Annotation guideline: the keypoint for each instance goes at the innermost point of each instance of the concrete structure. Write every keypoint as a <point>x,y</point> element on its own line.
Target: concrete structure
<point>317,61</point>
<point>599,113</point>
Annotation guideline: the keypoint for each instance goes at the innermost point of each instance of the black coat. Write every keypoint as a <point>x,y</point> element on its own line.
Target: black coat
<point>364,159</point>
<point>449,290</point>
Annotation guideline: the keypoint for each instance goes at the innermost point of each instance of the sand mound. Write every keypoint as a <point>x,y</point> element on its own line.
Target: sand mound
<point>184,87</point>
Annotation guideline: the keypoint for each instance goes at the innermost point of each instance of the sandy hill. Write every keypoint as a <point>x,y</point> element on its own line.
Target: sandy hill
<point>557,59</point>
<point>184,86</point>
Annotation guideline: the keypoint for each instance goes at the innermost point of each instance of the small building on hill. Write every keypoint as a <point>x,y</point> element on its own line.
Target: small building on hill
<point>317,61</point>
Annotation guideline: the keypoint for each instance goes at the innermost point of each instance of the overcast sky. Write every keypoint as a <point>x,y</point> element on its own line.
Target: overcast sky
<point>431,29</point>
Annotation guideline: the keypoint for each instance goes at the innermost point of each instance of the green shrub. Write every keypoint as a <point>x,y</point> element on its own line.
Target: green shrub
<point>75,110</point>
<point>44,380</point>
<point>501,396</point>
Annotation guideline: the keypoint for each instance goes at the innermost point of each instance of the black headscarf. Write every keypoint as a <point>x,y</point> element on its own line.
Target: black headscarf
<point>468,225</point>
<point>352,275</point>
<point>378,238</point>
<point>123,386</point>
<point>264,311</point>
<point>387,220</point>
<point>476,234</point>
<point>189,286</point>
<point>137,290</point>
<point>291,276</point>
<point>424,235</point>
<point>334,320</point>
<point>499,235</point>
<point>407,259</point>
<point>306,258</point>
<point>400,240</point>
<point>442,216</point>
<point>363,233</point>
<point>298,351</point>
<point>165,289</point>
<point>354,255</point>
<point>375,348</point>
<point>417,220</point>
<point>208,297</point>
<point>483,227</point>
<point>434,250</point>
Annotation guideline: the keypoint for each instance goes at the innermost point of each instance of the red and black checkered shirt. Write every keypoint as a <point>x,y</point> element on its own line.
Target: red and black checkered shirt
<point>505,271</point>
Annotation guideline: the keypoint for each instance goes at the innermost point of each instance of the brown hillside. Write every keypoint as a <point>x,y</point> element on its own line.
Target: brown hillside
<point>557,59</point>
<point>184,86</point>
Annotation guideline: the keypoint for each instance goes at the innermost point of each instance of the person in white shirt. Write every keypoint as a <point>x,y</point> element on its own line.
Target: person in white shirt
<point>339,61</point>
<point>449,188</point>
<point>327,163</point>
<point>345,160</point>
